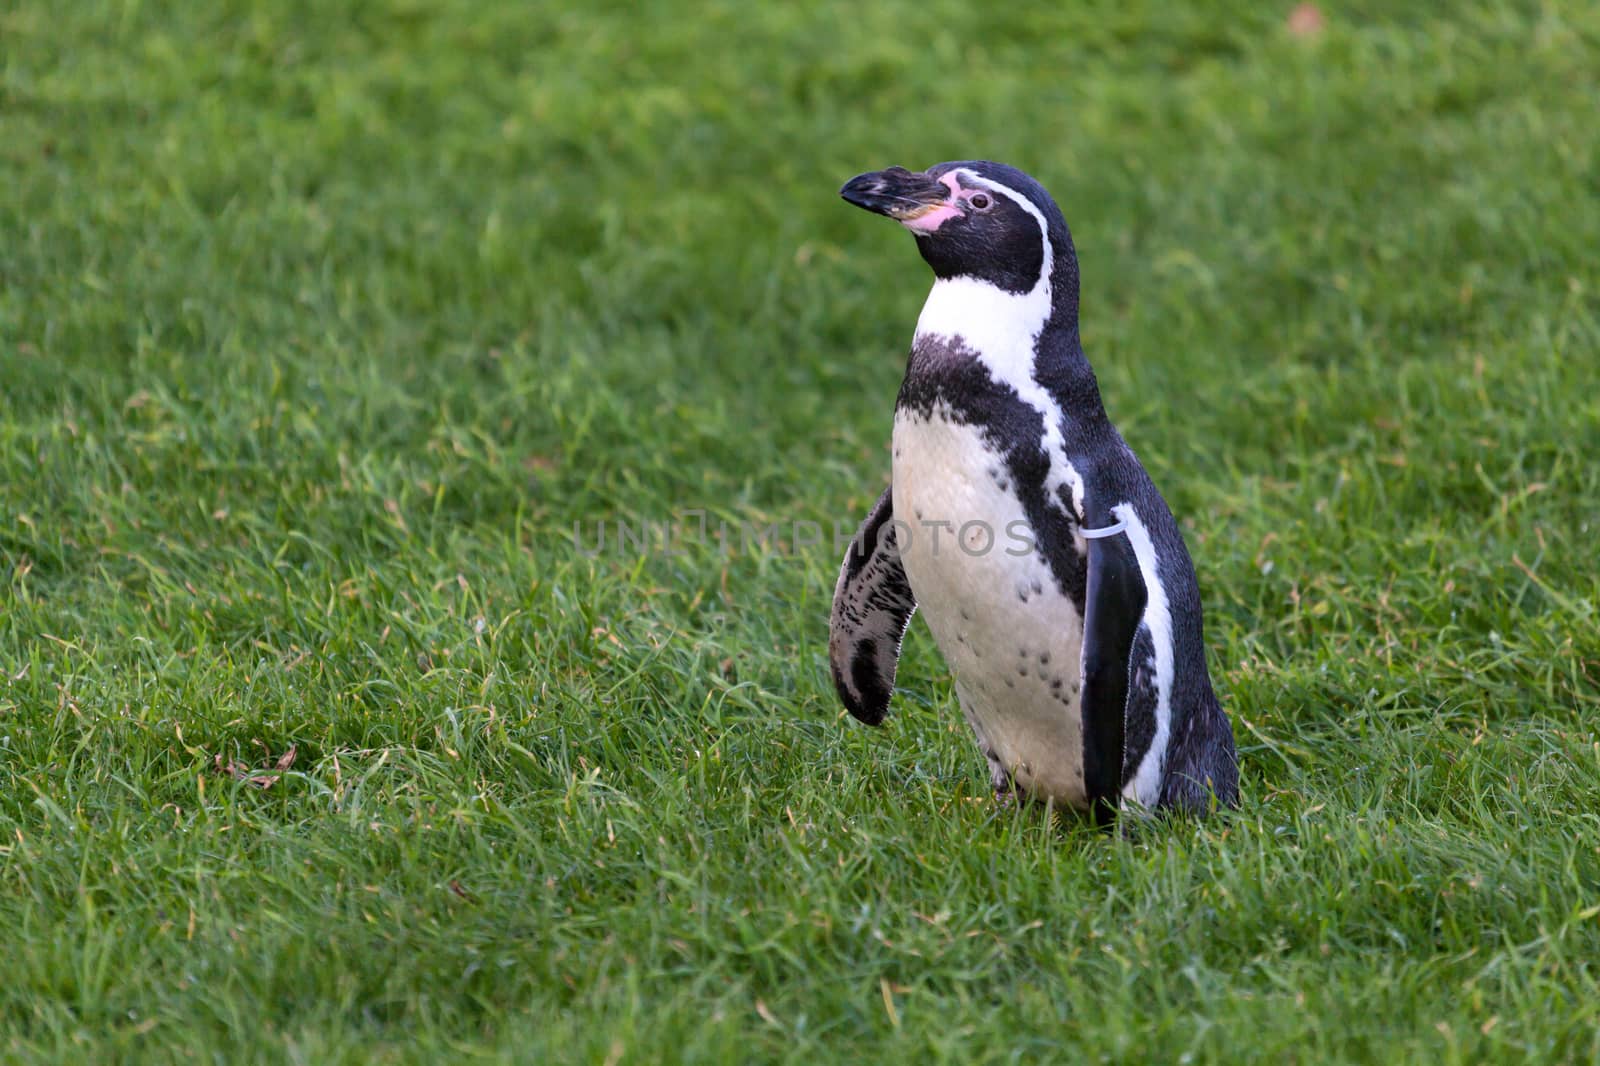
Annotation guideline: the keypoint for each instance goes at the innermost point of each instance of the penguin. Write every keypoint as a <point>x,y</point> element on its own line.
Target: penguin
<point>1048,567</point>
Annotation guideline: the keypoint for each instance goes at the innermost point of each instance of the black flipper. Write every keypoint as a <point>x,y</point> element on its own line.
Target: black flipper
<point>872,606</point>
<point>1113,608</point>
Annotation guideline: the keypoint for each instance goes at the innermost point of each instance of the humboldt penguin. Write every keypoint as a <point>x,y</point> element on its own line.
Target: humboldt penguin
<point>1050,571</point>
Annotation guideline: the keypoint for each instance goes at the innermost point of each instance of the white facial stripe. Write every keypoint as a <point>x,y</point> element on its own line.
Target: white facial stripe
<point>1144,787</point>
<point>1024,203</point>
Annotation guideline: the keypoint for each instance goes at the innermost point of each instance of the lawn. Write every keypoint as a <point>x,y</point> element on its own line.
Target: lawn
<point>330,333</point>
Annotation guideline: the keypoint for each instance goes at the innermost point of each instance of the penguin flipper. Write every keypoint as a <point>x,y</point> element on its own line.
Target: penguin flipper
<point>1114,605</point>
<point>872,606</point>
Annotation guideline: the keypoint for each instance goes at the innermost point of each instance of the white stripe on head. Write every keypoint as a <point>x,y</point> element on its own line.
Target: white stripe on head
<point>1027,205</point>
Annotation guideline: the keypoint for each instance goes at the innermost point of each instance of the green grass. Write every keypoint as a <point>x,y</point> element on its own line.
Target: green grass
<point>321,326</point>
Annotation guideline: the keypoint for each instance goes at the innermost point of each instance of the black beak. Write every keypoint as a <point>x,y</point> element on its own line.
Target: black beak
<point>896,192</point>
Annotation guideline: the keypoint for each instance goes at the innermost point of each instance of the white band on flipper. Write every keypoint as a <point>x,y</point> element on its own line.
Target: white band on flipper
<point>1104,531</point>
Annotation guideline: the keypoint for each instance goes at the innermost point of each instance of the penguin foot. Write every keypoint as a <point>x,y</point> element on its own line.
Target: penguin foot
<point>1007,795</point>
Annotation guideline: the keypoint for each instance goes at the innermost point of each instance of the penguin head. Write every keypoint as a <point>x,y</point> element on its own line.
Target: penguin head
<point>975,219</point>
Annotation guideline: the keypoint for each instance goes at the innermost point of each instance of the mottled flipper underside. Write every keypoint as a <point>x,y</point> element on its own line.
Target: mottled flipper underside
<point>872,606</point>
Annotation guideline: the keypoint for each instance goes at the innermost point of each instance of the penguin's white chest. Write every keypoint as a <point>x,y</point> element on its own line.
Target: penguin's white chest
<point>1012,639</point>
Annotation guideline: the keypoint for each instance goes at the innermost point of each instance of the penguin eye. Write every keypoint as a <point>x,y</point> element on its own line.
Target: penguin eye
<point>980,201</point>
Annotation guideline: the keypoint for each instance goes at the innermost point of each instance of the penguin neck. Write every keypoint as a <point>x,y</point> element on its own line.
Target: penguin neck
<point>1027,340</point>
<point>1064,371</point>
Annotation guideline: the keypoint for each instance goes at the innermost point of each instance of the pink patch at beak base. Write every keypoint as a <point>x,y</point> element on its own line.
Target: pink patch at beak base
<point>938,214</point>
<point>931,219</point>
